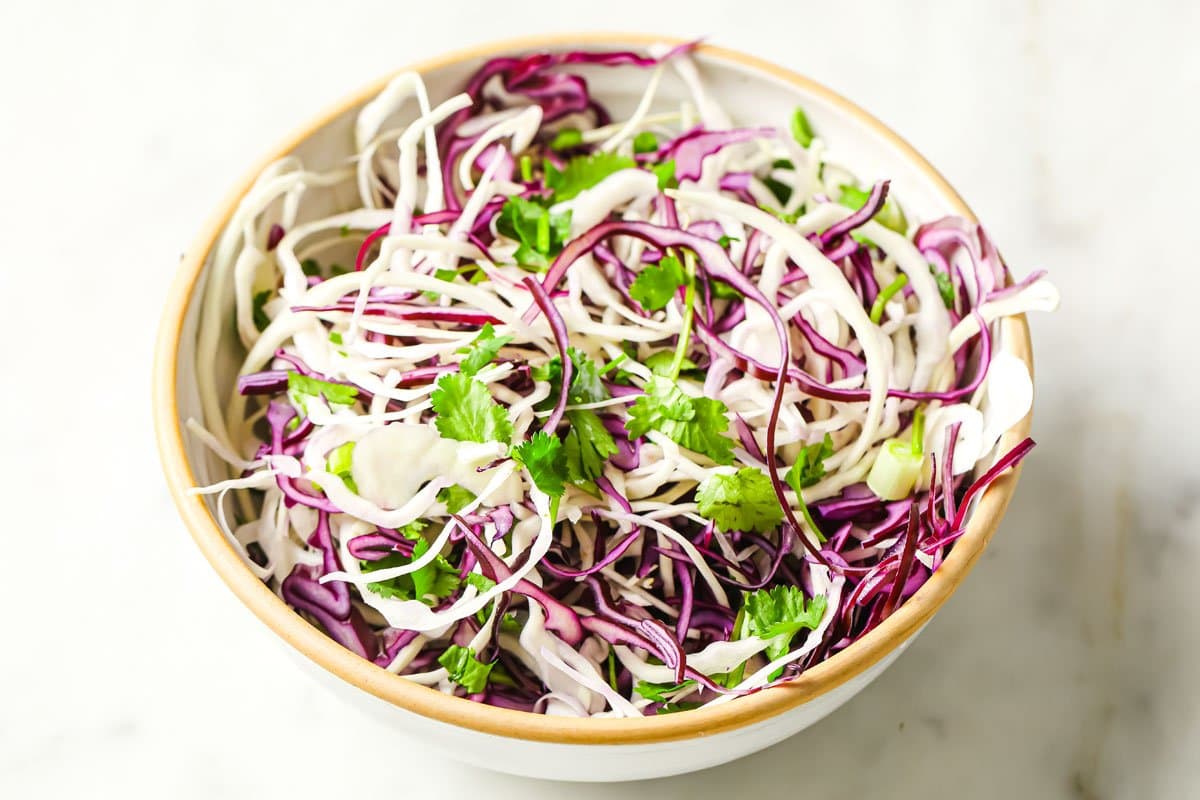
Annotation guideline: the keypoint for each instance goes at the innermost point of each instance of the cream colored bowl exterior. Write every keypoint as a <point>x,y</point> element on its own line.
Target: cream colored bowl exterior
<point>601,762</point>
<point>591,750</point>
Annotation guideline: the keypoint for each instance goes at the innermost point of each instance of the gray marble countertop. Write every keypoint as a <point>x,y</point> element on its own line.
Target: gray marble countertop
<point>1063,667</point>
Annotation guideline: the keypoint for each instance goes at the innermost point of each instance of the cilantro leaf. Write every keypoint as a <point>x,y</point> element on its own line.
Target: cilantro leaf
<point>723,291</point>
<point>658,692</point>
<point>697,423</point>
<point>481,582</point>
<point>455,498</point>
<point>261,320</point>
<point>412,531</point>
<point>665,172</point>
<point>802,130</point>
<point>482,350</point>
<point>944,284</point>
<point>810,464</point>
<point>466,670</point>
<point>744,501</point>
<point>395,588</point>
<point>335,338</point>
<point>447,275</point>
<point>587,386</point>
<point>339,463</point>
<point>890,216</point>
<point>656,284</point>
<point>645,142</point>
<point>660,363</point>
<point>779,614</point>
<point>584,172</point>
<point>541,234</point>
<point>438,578</point>
<point>587,445</point>
<point>725,240</point>
<point>302,390</point>
<point>310,267</point>
<point>543,456</point>
<point>779,189</point>
<point>466,411</point>
<point>432,582</point>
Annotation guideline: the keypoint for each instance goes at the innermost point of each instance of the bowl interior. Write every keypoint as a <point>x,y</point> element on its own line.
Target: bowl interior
<point>753,93</point>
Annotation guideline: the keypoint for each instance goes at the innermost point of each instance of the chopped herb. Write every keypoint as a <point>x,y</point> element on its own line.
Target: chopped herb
<point>697,423</point>
<point>665,172</point>
<point>432,582</point>
<point>542,455</point>
<point>661,363</point>
<point>437,579</point>
<point>302,390</point>
<point>612,669</point>
<point>466,670</point>
<point>723,291</point>
<point>890,216</point>
<point>778,614</point>
<point>541,235</point>
<point>481,582</point>
<point>586,447</point>
<point>743,501</point>
<point>779,189</point>
<point>586,384</point>
<point>672,708</point>
<point>344,231</point>
<point>412,531</point>
<point>455,498</point>
<point>658,692</point>
<point>807,471</point>
<point>645,142</point>
<point>725,241</point>
<point>566,139</point>
<point>339,463</point>
<point>310,267</point>
<point>584,172</point>
<point>945,286</point>
<point>447,275</point>
<point>261,320</point>
<point>810,464</point>
<point>482,349</point>
<point>335,338</point>
<point>394,588</point>
<point>656,284</point>
<point>467,412</point>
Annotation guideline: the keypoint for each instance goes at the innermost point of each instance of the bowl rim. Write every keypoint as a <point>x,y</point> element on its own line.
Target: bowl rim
<point>435,705</point>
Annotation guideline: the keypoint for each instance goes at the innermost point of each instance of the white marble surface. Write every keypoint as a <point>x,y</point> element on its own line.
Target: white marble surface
<point>1063,668</point>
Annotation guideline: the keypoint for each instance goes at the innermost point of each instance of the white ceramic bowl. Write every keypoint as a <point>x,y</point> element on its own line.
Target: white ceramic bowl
<point>754,92</point>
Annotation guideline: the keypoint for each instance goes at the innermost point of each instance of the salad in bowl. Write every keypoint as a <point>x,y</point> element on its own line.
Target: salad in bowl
<point>590,414</point>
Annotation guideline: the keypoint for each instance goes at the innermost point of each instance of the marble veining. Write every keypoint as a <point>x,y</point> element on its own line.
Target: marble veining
<point>1064,667</point>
